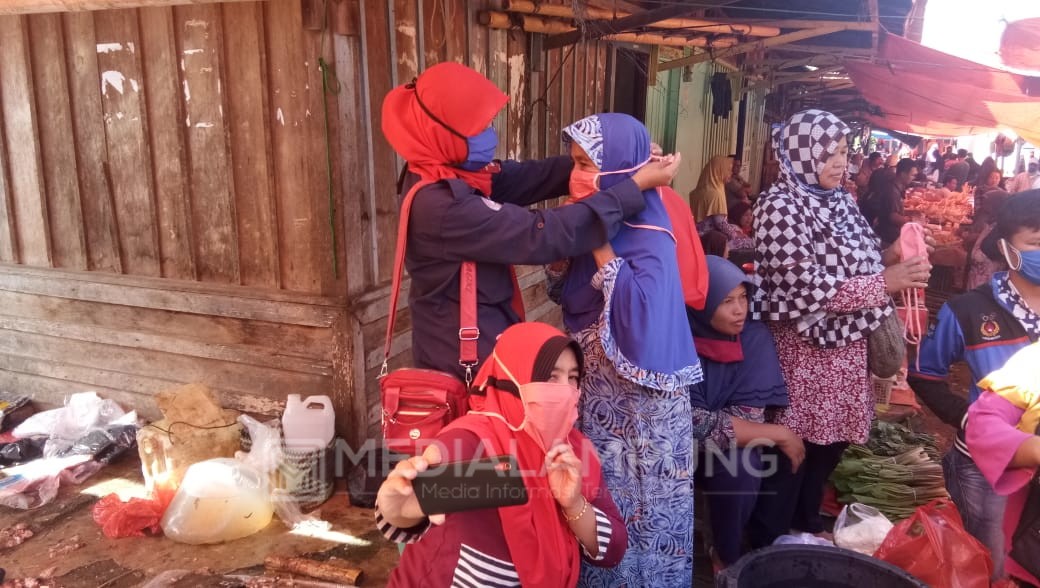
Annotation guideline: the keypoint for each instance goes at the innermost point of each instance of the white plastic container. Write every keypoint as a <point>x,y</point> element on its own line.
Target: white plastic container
<point>308,424</point>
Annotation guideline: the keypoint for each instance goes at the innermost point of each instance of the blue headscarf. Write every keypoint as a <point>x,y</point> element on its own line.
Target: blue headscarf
<point>645,334</point>
<point>741,370</point>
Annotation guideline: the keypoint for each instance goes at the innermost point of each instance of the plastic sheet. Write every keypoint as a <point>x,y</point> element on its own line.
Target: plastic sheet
<point>934,547</point>
<point>861,528</point>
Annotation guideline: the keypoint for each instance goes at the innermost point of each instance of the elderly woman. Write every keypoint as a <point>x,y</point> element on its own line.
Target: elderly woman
<point>742,379</point>
<point>624,303</point>
<point>825,289</point>
<point>525,405</point>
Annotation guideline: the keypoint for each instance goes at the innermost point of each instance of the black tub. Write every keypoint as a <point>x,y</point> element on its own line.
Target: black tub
<point>813,566</point>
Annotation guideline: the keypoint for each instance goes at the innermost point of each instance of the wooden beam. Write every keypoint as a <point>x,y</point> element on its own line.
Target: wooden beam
<point>803,24</point>
<point>41,6</point>
<point>780,78</point>
<point>827,50</point>
<point>753,46</point>
<point>535,24</point>
<point>597,29</point>
<point>695,25</point>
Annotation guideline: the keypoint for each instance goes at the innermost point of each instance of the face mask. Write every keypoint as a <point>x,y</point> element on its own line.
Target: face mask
<point>586,183</point>
<point>1028,261</point>
<point>481,150</point>
<point>550,410</point>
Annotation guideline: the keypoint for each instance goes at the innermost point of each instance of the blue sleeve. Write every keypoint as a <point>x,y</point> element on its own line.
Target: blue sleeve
<point>525,183</point>
<point>943,347</point>
<point>477,229</point>
<point>928,377</point>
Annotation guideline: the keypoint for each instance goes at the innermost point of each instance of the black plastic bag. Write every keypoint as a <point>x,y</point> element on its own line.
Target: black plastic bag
<point>21,451</point>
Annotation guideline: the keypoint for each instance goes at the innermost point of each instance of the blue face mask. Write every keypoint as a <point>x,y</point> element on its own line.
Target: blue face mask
<point>1028,262</point>
<point>481,150</point>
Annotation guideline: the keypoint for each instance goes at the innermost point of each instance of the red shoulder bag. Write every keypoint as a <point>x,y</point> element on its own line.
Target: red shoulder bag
<point>417,403</point>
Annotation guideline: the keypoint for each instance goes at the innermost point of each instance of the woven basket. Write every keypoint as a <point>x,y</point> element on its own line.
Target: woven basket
<point>882,389</point>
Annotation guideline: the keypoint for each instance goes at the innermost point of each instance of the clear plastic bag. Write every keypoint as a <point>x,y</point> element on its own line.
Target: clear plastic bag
<point>861,528</point>
<point>802,539</point>
<point>226,499</point>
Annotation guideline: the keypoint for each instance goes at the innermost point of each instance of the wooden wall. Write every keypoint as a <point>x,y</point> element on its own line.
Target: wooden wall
<point>187,146</point>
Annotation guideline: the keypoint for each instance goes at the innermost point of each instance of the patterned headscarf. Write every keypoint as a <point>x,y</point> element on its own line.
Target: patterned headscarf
<point>810,240</point>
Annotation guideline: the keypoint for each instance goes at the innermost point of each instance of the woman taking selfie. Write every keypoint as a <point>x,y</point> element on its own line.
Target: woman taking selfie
<point>524,404</point>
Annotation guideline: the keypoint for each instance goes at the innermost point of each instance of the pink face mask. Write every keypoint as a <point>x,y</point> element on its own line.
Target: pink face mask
<point>586,183</point>
<point>550,410</point>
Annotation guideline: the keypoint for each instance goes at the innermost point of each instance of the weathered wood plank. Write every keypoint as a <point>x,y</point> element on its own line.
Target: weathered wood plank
<point>199,35</point>
<point>553,143</point>
<point>289,339</point>
<point>270,357</point>
<point>456,19</point>
<point>245,70</point>
<point>384,165</point>
<point>406,42</point>
<point>50,384</point>
<point>435,37</point>
<point>601,75</point>
<point>166,117</point>
<point>568,109</point>
<point>348,385</point>
<point>126,132</point>
<point>255,379</point>
<point>516,47</point>
<point>353,158</point>
<point>477,53</point>
<point>8,230</point>
<point>99,217</point>
<point>321,110</point>
<point>18,108</point>
<point>68,241</point>
<point>290,107</point>
<point>498,72</point>
<point>175,296</point>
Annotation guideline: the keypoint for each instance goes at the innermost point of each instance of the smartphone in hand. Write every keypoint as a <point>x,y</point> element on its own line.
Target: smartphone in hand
<point>490,482</point>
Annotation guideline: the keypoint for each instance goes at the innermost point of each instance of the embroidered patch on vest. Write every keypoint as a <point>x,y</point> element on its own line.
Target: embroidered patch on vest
<point>989,329</point>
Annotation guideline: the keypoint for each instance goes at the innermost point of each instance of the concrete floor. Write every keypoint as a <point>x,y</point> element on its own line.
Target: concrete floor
<point>132,562</point>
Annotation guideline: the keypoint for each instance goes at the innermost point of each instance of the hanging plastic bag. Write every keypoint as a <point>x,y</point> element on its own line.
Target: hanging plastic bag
<point>861,528</point>
<point>933,546</point>
<point>225,499</point>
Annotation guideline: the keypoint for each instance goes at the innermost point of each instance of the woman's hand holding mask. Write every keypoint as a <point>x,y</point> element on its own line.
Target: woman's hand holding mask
<point>659,172</point>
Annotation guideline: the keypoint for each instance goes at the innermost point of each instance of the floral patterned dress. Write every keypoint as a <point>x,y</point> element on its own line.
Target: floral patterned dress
<point>645,439</point>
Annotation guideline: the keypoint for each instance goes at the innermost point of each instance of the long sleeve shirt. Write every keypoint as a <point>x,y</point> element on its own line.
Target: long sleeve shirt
<point>470,548</point>
<point>451,223</point>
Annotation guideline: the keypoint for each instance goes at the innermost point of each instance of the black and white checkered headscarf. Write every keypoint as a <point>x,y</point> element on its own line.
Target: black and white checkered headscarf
<point>811,240</point>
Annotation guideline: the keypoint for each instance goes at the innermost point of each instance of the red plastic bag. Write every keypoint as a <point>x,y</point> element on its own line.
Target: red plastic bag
<point>933,546</point>
<point>129,519</point>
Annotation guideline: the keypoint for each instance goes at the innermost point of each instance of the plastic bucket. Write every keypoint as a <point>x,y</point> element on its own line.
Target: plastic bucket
<point>813,566</point>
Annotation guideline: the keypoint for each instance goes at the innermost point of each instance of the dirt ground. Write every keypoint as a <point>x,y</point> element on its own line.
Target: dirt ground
<point>132,562</point>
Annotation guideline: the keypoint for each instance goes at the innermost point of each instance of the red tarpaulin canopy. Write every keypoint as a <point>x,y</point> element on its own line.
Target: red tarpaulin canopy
<point>1020,44</point>
<point>928,92</point>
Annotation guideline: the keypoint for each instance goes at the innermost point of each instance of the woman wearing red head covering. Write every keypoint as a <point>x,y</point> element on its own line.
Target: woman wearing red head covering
<point>525,404</point>
<point>470,207</point>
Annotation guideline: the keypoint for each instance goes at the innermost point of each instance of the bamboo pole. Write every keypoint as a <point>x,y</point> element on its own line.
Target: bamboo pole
<point>699,26</point>
<point>40,6</point>
<point>536,24</point>
<point>750,46</point>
